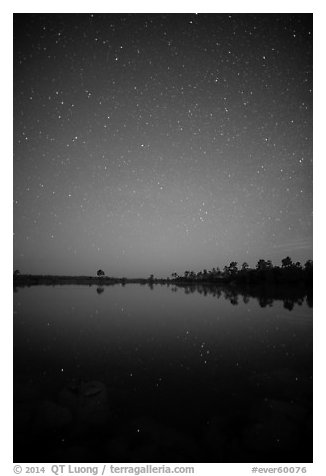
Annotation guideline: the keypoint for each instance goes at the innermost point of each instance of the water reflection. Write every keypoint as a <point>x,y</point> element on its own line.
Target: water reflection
<point>160,374</point>
<point>265,295</point>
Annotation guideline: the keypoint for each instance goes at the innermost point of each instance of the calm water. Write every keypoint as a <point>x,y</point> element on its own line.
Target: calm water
<point>134,374</point>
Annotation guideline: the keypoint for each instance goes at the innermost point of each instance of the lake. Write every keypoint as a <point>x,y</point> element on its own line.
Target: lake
<point>159,373</point>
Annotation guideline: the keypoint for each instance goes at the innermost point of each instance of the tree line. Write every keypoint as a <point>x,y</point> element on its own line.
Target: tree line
<point>263,271</point>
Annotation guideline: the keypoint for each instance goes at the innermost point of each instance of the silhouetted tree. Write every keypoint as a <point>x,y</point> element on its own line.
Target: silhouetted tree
<point>246,299</point>
<point>288,304</point>
<point>233,267</point>
<point>217,271</point>
<point>261,265</point>
<point>265,301</point>
<point>100,273</point>
<point>226,271</point>
<point>308,265</point>
<point>264,272</point>
<point>287,262</point>
<point>234,300</point>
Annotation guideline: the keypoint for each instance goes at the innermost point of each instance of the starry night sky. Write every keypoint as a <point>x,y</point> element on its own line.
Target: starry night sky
<point>154,143</point>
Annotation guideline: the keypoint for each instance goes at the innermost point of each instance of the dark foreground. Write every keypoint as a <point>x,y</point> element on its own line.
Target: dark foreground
<point>143,374</point>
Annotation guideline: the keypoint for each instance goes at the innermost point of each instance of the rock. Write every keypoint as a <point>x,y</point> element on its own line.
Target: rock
<point>90,389</point>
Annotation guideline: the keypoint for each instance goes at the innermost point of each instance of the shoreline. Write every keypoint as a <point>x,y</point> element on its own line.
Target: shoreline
<point>34,280</point>
<point>29,279</point>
